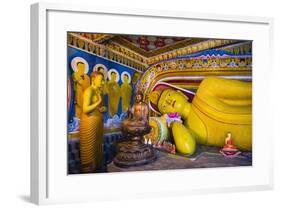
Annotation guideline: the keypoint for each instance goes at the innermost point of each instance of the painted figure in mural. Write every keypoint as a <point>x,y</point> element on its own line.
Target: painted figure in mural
<point>126,91</point>
<point>100,69</point>
<point>135,77</point>
<point>158,68</point>
<point>113,91</point>
<point>91,125</point>
<point>81,82</point>
<point>219,106</point>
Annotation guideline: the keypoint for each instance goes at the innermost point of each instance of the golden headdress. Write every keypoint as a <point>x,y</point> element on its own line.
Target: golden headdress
<point>154,96</point>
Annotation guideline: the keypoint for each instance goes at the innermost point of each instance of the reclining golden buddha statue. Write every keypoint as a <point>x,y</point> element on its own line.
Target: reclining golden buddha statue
<point>219,106</point>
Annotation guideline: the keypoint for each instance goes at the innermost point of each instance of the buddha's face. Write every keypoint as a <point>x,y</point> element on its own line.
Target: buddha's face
<point>126,79</point>
<point>172,101</point>
<point>98,81</point>
<point>101,70</point>
<point>135,77</point>
<point>138,98</point>
<point>113,76</point>
<point>80,68</point>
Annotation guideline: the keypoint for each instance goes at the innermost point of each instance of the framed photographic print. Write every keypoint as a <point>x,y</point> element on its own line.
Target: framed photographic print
<point>128,103</point>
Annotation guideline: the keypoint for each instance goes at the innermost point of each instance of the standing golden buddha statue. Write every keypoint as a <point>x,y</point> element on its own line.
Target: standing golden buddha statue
<point>91,125</point>
<point>81,82</point>
<point>113,91</point>
<point>126,91</point>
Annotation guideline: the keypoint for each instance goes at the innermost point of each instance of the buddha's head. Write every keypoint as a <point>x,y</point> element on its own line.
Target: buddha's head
<point>135,77</point>
<point>158,67</point>
<point>97,80</point>
<point>113,76</point>
<point>139,97</point>
<point>101,69</point>
<point>126,78</point>
<point>170,101</point>
<point>80,67</point>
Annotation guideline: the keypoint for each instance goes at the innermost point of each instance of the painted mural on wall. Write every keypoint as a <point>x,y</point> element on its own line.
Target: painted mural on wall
<point>133,100</point>
<point>118,87</point>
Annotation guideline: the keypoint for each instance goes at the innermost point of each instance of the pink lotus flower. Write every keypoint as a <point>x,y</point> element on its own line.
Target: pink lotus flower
<point>173,115</point>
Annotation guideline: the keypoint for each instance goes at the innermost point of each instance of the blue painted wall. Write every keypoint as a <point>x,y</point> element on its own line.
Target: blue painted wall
<point>92,61</point>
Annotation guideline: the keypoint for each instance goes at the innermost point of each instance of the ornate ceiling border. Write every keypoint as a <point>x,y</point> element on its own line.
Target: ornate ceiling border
<point>129,59</point>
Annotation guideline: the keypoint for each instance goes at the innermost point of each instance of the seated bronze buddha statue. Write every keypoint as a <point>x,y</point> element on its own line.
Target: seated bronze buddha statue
<point>134,127</point>
<point>137,121</point>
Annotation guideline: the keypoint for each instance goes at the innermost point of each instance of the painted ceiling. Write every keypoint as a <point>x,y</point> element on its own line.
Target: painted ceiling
<point>151,43</point>
<point>147,46</point>
<point>142,50</point>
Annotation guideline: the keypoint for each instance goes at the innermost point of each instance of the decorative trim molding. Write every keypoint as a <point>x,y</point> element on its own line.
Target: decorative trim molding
<point>105,58</point>
<point>90,46</point>
<point>211,62</point>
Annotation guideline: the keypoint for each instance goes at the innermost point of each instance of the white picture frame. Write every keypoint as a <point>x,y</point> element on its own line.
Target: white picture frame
<point>49,180</point>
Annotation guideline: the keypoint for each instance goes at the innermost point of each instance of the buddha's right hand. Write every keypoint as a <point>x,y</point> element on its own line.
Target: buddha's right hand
<point>185,142</point>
